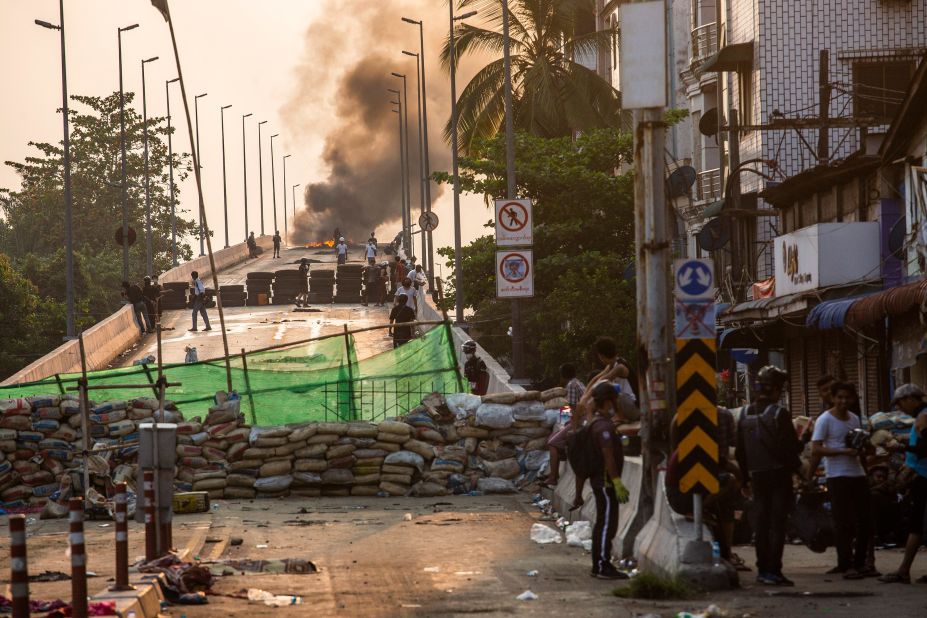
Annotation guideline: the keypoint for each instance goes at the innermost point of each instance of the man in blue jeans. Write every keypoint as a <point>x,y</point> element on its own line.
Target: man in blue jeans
<point>199,301</point>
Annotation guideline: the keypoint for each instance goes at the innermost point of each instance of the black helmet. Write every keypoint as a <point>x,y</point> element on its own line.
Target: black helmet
<point>469,347</point>
<point>770,375</point>
<point>604,391</point>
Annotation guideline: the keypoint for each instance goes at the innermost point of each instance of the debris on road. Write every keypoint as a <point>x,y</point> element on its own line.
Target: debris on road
<point>543,535</point>
<point>578,532</point>
<point>256,595</point>
<point>527,595</point>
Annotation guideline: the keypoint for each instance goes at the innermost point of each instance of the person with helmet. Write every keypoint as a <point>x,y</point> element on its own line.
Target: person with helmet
<point>604,457</point>
<point>342,250</point>
<point>277,241</point>
<point>475,369</point>
<point>909,398</point>
<point>768,453</point>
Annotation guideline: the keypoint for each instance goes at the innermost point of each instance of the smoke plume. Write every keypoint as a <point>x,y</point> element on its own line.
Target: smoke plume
<point>344,76</point>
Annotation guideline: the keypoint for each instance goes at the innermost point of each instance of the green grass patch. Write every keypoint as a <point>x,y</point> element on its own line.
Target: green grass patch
<point>655,587</point>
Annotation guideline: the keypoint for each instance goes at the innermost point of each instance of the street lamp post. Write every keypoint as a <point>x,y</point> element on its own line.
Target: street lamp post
<point>196,109</point>
<point>170,171</point>
<point>244,164</point>
<point>426,171</point>
<point>122,140</point>
<point>405,119</point>
<point>294,200</point>
<point>71,326</point>
<point>405,94</point>
<point>458,253</point>
<point>225,196</point>
<point>286,233</point>
<point>518,360</point>
<point>261,174</point>
<point>273,180</point>
<point>149,261</point>
<point>404,163</point>
<point>402,175</point>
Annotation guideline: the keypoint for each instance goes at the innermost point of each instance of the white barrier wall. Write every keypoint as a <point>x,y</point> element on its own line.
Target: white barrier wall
<point>108,338</point>
<point>498,376</point>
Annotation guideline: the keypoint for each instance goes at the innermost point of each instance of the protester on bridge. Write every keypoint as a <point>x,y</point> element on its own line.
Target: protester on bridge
<point>151,291</point>
<point>419,281</point>
<point>277,241</point>
<point>302,299</point>
<point>341,249</point>
<point>407,289</point>
<point>910,399</point>
<point>381,283</point>
<point>133,294</point>
<point>768,454</point>
<point>605,460</point>
<point>371,251</point>
<point>401,314</point>
<point>847,482</point>
<point>252,246</point>
<point>371,287</point>
<point>557,442</point>
<point>397,273</point>
<point>475,369</point>
<point>199,301</point>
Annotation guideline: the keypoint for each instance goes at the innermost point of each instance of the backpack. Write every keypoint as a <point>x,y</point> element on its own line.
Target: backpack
<point>583,453</point>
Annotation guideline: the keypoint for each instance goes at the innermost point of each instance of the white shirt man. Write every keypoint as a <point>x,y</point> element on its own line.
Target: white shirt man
<point>341,248</point>
<point>371,250</point>
<point>411,299</point>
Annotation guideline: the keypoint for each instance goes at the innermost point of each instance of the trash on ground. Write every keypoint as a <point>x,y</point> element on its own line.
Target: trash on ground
<point>407,517</point>
<point>577,532</point>
<point>256,595</point>
<point>432,569</point>
<point>291,566</point>
<point>527,595</point>
<point>50,576</point>
<point>532,573</point>
<point>543,535</point>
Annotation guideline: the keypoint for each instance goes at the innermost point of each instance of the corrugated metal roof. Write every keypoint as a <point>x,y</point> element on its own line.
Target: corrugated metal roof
<point>891,302</point>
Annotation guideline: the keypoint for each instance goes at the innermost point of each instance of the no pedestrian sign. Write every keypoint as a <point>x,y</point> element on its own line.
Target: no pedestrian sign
<point>514,274</point>
<point>514,223</point>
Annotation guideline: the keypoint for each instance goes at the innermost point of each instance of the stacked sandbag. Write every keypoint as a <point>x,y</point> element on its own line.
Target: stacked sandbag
<point>206,447</point>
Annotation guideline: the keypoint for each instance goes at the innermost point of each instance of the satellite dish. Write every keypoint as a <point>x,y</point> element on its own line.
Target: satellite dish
<point>708,125</point>
<point>896,239</point>
<point>715,235</point>
<point>681,180</point>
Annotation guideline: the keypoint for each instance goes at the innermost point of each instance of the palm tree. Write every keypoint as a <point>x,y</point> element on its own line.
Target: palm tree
<point>552,93</point>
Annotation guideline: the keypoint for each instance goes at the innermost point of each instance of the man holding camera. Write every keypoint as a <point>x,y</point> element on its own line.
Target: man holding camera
<point>839,440</point>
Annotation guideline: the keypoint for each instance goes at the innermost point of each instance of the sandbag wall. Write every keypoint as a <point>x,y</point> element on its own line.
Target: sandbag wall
<point>454,444</point>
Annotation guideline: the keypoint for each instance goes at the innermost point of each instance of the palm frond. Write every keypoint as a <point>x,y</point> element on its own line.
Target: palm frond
<point>470,39</point>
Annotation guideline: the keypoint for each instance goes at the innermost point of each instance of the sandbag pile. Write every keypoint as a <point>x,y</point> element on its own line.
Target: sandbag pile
<point>40,444</point>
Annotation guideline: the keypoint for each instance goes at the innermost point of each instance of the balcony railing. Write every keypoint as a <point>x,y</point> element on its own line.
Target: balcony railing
<point>704,42</point>
<point>709,185</point>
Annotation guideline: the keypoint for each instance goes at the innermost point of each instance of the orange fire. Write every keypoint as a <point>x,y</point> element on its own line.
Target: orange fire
<point>323,243</point>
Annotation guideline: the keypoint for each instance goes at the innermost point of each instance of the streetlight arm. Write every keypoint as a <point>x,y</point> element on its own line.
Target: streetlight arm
<point>46,24</point>
<point>465,16</point>
<point>411,21</point>
<point>127,28</point>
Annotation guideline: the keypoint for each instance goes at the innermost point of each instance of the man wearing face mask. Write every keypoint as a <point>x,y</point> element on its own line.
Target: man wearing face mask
<point>475,369</point>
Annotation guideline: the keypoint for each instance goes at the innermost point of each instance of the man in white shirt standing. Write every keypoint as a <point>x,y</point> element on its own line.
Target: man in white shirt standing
<point>371,252</point>
<point>199,301</point>
<point>342,250</point>
<point>407,289</point>
<point>847,482</point>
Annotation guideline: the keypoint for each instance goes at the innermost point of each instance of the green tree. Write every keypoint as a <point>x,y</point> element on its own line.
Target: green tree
<point>583,241</point>
<point>29,324</point>
<point>553,94</point>
<point>32,218</point>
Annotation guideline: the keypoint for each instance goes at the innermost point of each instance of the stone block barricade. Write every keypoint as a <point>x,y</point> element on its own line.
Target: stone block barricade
<point>111,336</point>
<point>457,443</point>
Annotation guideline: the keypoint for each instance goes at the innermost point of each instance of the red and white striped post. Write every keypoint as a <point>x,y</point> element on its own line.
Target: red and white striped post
<point>19,571</point>
<point>151,528</point>
<point>167,538</point>
<point>78,559</point>
<point>122,541</point>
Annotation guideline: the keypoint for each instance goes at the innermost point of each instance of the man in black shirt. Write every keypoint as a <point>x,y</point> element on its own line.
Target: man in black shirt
<point>151,291</point>
<point>401,314</point>
<point>133,294</point>
<point>768,453</point>
<point>277,241</point>
<point>475,369</point>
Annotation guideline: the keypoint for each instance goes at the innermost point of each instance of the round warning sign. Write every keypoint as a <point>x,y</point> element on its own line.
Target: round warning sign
<point>513,223</point>
<point>514,268</point>
<point>513,216</point>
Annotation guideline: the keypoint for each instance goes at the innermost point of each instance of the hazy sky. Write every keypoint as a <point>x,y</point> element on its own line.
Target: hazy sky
<point>281,60</point>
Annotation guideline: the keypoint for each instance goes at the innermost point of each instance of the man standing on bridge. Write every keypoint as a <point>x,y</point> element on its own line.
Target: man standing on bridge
<point>342,250</point>
<point>277,241</point>
<point>199,301</point>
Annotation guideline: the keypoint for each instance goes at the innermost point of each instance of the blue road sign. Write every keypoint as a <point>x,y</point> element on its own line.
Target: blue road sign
<point>694,278</point>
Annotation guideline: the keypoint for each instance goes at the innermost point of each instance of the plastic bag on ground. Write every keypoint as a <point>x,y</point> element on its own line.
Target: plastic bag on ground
<point>256,595</point>
<point>496,486</point>
<point>543,535</point>
<point>577,532</point>
<point>527,595</point>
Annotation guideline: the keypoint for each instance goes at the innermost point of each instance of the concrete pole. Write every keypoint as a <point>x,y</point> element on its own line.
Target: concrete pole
<point>149,259</point>
<point>196,113</point>
<point>286,233</point>
<point>261,174</point>
<point>225,193</point>
<point>273,180</point>
<point>122,144</point>
<point>402,180</point>
<point>170,171</point>
<point>244,164</point>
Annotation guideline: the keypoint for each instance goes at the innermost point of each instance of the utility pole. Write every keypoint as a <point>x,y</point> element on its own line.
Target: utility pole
<point>286,233</point>
<point>404,180</point>
<point>273,180</point>
<point>149,260</point>
<point>196,115</point>
<point>122,142</point>
<point>244,164</point>
<point>518,353</point>
<point>225,193</point>
<point>261,174</point>
<point>170,171</point>
<point>740,253</point>
<point>824,107</point>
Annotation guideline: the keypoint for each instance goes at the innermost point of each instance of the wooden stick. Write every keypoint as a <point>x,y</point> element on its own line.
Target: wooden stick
<point>347,351</point>
<point>244,364</point>
<point>107,387</point>
<point>84,411</point>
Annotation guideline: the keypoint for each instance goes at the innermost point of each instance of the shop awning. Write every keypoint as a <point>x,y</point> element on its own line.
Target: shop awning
<point>732,57</point>
<point>892,302</point>
<point>830,313</point>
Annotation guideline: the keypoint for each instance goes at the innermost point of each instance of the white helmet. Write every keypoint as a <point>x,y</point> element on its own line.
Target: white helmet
<point>341,239</point>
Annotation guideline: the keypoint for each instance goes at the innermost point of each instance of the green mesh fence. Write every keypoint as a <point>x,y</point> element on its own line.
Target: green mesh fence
<point>321,380</point>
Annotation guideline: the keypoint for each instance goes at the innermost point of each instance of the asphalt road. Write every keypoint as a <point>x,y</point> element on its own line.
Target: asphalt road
<point>251,328</point>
